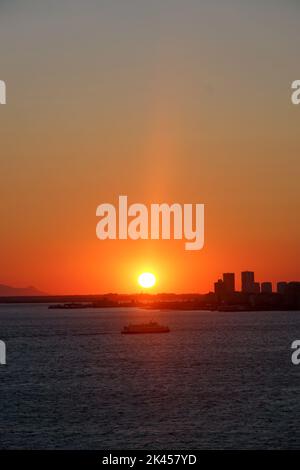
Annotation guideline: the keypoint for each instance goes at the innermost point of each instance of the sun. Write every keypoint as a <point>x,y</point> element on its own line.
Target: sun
<point>146,280</point>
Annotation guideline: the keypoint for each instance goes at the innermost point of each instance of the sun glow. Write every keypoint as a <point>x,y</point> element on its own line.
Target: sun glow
<point>146,280</point>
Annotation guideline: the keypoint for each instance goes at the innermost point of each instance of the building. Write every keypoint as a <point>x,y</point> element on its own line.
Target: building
<point>281,287</point>
<point>248,283</point>
<point>266,288</point>
<point>292,295</point>
<point>219,287</point>
<point>229,283</point>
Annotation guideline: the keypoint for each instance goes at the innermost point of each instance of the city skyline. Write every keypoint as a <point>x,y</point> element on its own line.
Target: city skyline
<point>248,284</point>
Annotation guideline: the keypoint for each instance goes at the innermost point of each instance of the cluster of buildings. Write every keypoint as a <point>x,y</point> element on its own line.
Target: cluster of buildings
<point>226,285</point>
<point>256,295</point>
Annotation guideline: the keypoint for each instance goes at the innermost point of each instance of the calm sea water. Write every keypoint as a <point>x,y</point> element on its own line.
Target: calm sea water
<point>218,380</point>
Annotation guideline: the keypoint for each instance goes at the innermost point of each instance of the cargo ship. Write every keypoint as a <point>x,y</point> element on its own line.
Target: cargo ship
<point>145,328</point>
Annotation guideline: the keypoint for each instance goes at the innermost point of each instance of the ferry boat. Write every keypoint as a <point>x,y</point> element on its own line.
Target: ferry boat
<point>143,328</point>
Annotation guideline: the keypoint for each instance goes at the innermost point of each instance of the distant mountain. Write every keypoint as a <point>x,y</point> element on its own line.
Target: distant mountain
<point>8,291</point>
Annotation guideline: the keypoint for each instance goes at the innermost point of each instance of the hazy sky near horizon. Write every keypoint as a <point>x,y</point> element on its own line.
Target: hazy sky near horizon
<point>162,100</point>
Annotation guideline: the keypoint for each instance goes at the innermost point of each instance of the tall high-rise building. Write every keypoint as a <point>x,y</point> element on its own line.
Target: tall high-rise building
<point>248,283</point>
<point>229,282</point>
<point>266,287</point>
<point>281,287</point>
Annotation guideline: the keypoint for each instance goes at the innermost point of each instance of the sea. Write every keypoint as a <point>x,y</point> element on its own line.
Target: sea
<point>218,380</point>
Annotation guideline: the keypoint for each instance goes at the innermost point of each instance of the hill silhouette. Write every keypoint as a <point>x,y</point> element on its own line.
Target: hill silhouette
<point>8,291</point>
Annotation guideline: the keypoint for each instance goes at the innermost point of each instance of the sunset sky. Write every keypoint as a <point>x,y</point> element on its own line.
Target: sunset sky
<point>163,101</point>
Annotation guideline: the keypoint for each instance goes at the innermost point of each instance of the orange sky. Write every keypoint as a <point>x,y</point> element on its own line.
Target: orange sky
<point>184,104</point>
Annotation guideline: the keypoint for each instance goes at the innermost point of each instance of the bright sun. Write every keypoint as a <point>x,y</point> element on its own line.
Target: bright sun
<point>146,280</point>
